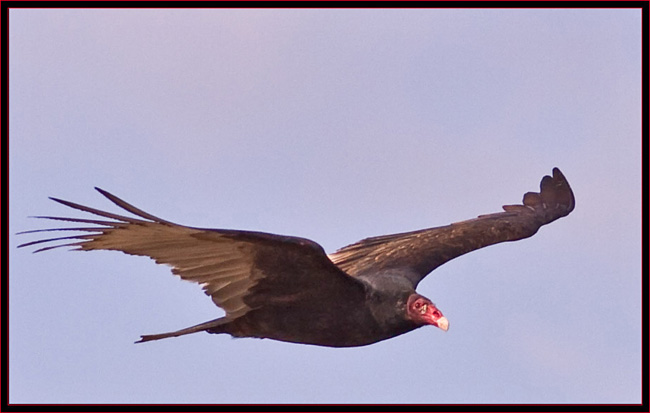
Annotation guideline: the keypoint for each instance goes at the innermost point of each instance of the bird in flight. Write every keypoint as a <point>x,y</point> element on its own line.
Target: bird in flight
<point>287,288</point>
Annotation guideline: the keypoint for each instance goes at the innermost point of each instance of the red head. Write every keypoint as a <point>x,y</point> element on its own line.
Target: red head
<point>421,310</point>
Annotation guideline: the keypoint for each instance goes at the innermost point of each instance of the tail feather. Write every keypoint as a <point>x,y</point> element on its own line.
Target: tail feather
<point>189,330</point>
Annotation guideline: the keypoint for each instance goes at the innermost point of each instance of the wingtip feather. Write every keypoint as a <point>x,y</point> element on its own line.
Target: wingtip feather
<point>103,192</point>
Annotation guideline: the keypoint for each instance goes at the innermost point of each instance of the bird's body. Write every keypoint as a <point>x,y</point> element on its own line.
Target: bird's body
<point>289,289</point>
<point>356,322</point>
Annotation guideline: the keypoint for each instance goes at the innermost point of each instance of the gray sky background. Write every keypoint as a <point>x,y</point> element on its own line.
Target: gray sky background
<point>333,125</point>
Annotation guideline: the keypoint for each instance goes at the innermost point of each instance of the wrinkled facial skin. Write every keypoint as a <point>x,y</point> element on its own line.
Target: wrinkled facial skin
<point>421,310</point>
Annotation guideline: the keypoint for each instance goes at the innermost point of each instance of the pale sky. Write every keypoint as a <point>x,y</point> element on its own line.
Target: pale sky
<point>333,125</point>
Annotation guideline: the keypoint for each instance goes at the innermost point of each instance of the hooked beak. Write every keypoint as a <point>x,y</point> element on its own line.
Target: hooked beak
<point>443,323</point>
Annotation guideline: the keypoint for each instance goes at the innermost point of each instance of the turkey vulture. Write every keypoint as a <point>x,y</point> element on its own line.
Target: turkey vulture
<point>287,288</point>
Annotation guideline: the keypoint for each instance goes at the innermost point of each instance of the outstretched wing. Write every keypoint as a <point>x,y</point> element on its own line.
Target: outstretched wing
<point>227,263</point>
<point>415,254</point>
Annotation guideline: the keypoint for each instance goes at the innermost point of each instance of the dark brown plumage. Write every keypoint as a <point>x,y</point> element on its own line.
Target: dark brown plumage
<point>289,289</point>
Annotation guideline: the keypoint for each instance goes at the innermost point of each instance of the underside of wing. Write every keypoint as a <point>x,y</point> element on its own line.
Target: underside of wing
<point>417,253</point>
<point>240,270</point>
